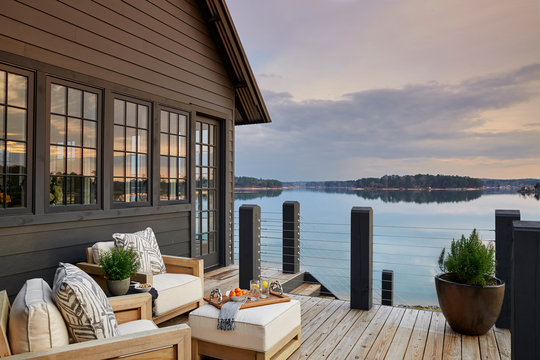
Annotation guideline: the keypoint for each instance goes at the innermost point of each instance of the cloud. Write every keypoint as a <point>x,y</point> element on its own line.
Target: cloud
<point>316,139</point>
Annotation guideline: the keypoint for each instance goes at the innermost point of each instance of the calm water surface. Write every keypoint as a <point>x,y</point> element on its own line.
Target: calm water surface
<point>410,229</point>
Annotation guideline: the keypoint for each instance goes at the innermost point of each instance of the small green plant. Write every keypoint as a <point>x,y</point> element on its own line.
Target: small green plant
<point>469,260</point>
<point>119,263</point>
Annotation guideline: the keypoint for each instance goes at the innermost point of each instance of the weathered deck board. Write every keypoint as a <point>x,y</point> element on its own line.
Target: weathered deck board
<point>331,330</point>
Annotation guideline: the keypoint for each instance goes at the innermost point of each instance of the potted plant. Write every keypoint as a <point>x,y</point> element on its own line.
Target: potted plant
<point>119,265</point>
<point>469,294</point>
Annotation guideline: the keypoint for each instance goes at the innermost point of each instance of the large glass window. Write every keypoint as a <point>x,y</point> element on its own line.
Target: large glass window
<point>73,152</point>
<point>173,155</point>
<point>14,114</point>
<point>131,137</point>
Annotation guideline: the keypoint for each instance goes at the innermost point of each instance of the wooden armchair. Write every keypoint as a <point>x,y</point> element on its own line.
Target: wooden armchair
<point>173,342</point>
<point>173,265</point>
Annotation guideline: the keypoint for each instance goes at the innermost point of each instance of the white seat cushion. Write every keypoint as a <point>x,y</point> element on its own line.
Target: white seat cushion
<point>35,323</point>
<point>132,327</point>
<point>258,328</point>
<point>175,290</point>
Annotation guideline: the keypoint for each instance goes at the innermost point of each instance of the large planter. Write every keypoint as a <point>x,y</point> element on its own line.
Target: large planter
<point>118,287</point>
<point>470,310</point>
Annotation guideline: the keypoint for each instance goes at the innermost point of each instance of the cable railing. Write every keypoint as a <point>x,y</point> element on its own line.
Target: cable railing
<point>410,252</point>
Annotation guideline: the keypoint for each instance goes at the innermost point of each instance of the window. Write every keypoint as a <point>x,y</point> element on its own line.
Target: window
<point>130,151</point>
<point>73,155</point>
<point>15,112</point>
<point>173,156</point>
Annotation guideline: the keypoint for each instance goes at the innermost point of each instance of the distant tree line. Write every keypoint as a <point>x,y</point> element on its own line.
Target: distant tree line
<point>419,181</point>
<point>245,181</point>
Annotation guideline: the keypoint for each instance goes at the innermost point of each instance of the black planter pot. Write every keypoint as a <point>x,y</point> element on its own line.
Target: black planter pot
<point>470,310</point>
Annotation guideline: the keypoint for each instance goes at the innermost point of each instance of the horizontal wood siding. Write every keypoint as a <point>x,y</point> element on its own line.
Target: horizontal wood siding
<point>161,47</point>
<point>36,250</point>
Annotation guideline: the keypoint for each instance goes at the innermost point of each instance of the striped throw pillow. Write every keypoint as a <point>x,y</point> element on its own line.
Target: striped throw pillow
<point>145,244</point>
<point>83,305</point>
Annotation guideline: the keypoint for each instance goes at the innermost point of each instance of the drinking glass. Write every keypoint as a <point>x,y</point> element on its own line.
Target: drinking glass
<point>254,290</point>
<point>265,290</point>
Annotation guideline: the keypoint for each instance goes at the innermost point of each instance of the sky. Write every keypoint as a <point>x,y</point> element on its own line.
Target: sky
<point>362,88</point>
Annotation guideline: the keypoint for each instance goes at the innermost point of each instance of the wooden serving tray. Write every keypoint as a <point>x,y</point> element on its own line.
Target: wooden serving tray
<point>274,298</point>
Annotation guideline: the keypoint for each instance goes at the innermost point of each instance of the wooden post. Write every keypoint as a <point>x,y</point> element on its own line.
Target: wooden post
<point>291,237</point>
<point>525,309</point>
<point>503,255</point>
<point>387,288</point>
<point>249,251</point>
<point>361,258</point>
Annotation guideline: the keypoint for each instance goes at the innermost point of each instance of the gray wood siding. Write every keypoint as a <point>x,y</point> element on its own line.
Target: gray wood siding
<point>155,46</point>
<point>34,251</point>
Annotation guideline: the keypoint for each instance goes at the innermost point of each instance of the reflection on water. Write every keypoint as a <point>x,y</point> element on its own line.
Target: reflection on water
<point>410,229</point>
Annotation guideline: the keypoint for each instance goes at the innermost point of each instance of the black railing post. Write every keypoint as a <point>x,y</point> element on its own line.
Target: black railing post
<point>249,250</point>
<point>387,288</point>
<point>503,255</point>
<point>361,258</point>
<point>291,237</point>
<point>525,309</point>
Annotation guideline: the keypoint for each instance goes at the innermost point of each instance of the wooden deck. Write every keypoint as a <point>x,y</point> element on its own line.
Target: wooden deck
<point>331,330</point>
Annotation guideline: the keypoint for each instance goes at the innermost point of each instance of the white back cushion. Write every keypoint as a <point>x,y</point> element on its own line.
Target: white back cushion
<point>101,247</point>
<point>34,321</point>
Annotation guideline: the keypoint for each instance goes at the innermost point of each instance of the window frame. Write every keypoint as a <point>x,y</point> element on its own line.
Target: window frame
<point>187,114</point>
<point>150,153</point>
<point>99,146</point>
<point>28,207</point>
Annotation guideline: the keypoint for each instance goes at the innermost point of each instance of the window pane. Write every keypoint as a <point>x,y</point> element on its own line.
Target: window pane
<point>56,195</point>
<point>90,134</point>
<point>182,146</point>
<point>211,204</point>
<point>197,246</point>
<point>164,166</point>
<point>16,90</point>
<point>211,242</point>
<point>198,132</point>
<point>73,190</point>
<point>174,123</point>
<point>131,165</point>
<point>74,130</point>
<point>181,190</point>
<point>204,133</point>
<point>198,155</point>
<point>173,145</point>
<point>131,190</point>
<point>205,155</point>
<point>182,125</point>
<point>211,178</point>
<point>211,224</point>
<point>197,202</point>
<point>118,164</point>
<point>58,99</point>
<point>57,160</point>
<point>2,153</point>
<point>89,162</point>
<point>164,189</point>
<point>16,124</point>
<point>74,102</point>
<point>182,167</point>
<point>118,189</point>
<point>164,120</point>
<point>172,189</point>
<point>58,129</point>
<point>197,178</point>
<point>131,139</point>
<point>89,190</point>
<point>164,144</point>
<point>2,89</point>
<point>15,191</point>
<point>74,161</point>
<point>131,114</point>
<point>2,122</point>
<point>119,141</point>
<point>204,244</point>
<point>142,190</point>
<point>173,172</point>
<point>143,116</point>
<point>211,134</point>
<point>90,106</point>
<point>16,158</point>
<point>204,195</point>
<point>143,141</point>
<point>142,163</point>
<point>119,109</point>
<point>211,157</point>
<point>204,177</point>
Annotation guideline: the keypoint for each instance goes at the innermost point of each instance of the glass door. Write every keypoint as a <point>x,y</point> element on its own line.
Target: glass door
<point>206,191</point>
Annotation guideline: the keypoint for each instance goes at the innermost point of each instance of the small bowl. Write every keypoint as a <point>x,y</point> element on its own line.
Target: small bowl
<point>141,288</point>
<point>237,298</point>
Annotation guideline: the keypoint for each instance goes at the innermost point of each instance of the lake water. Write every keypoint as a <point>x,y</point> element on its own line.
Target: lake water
<point>410,229</point>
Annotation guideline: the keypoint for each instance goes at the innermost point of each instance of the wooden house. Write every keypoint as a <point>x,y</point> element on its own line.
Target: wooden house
<point>116,116</point>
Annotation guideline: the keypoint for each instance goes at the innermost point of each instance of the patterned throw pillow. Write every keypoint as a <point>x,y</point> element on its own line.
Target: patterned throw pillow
<point>145,244</point>
<point>83,305</point>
